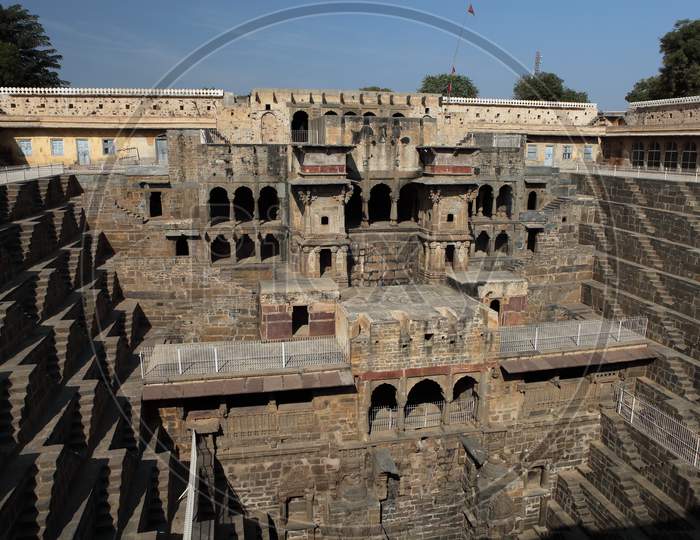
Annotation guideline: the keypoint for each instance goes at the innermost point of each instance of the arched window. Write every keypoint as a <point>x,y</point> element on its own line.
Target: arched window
<point>182,248</point>
<point>369,113</point>
<point>383,408</point>
<point>300,127</point>
<point>482,243</point>
<point>654,156</point>
<point>220,249</point>
<point>689,160</point>
<point>397,115</point>
<point>353,209</point>
<point>219,205</point>
<point>638,154</point>
<point>243,204</point>
<point>424,405</point>
<point>532,200</point>
<point>379,203</point>
<point>155,206</point>
<point>269,248</point>
<point>501,243</point>
<point>449,256</point>
<point>465,401</point>
<point>268,204</point>
<point>349,113</point>
<point>330,113</point>
<point>671,156</point>
<point>408,203</point>
<point>495,305</point>
<point>245,248</point>
<point>484,201</point>
<point>504,201</point>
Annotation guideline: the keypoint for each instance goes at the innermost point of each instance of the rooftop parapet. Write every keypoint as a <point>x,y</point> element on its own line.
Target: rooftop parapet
<point>134,92</point>
<point>664,102</point>
<point>518,103</point>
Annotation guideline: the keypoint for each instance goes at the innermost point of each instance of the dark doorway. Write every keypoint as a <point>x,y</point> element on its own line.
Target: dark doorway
<point>484,201</point>
<point>482,242</point>
<point>504,201</point>
<point>300,127</point>
<point>155,206</point>
<point>353,209</point>
<point>300,320</point>
<point>532,200</point>
<point>379,203</point>
<point>408,203</point>
<point>270,248</point>
<point>495,305</point>
<point>243,204</point>
<point>450,256</point>
<point>219,205</point>
<point>268,204</point>
<point>182,248</point>
<point>501,244</point>
<point>532,239</point>
<point>245,248</point>
<point>326,261</point>
<point>220,249</point>
<point>464,388</point>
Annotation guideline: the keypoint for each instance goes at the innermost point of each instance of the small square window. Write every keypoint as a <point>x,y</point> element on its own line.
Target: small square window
<point>450,218</point>
<point>567,152</point>
<point>268,107</point>
<point>25,145</point>
<point>324,220</point>
<point>56,147</point>
<point>588,153</point>
<point>108,147</point>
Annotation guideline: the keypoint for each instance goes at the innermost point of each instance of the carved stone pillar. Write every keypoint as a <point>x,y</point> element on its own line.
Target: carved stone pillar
<point>365,212</point>
<point>256,246</point>
<point>315,262</point>
<point>304,261</point>
<point>341,264</point>
<point>394,210</point>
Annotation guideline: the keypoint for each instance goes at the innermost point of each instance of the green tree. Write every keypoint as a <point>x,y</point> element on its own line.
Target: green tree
<point>27,57</point>
<point>375,89</point>
<point>546,87</point>
<point>679,75</point>
<point>462,86</point>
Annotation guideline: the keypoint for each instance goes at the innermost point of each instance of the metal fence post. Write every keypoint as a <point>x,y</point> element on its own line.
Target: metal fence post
<point>141,362</point>
<point>179,362</point>
<point>578,335</point>
<point>697,451</point>
<point>216,360</point>
<point>284,359</point>
<point>619,331</point>
<point>634,402</point>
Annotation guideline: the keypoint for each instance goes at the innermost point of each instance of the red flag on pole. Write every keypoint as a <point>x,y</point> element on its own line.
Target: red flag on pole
<point>470,9</point>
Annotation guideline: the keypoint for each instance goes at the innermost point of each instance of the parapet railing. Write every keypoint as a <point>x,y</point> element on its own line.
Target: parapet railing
<point>209,359</point>
<point>662,102</point>
<point>139,92</point>
<point>423,415</point>
<point>22,173</point>
<point>519,103</point>
<point>656,173</point>
<point>670,433</point>
<point>571,335</point>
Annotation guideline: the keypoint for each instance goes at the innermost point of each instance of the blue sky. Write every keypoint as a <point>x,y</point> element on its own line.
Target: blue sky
<point>602,47</point>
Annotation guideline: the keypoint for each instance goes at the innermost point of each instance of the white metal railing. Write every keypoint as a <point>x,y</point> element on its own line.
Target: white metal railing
<point>139,92</point>
<point>661,102</point>
<point>656,173</point>
<point>422,415</point>
<point>659,426</point>
<point>519,103</point>
<point>462,411</point>
<point>577,334</point>
<point>383,419</point>
<point>211,358</point>
<point>21,173</point>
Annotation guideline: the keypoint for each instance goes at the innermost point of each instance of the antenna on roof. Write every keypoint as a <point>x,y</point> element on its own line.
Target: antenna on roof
<point>538,63</point>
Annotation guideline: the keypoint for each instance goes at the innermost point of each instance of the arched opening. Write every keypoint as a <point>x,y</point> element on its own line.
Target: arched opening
<point>269,128</point>
<point>219,206</point>
<point>155,205</point>
<point>449,256</point>
<point>501,243</point>
<point>532,239</point>
<point>482,243</point>
<point>484,201</point>
<point>671,156</point>
<point>495,305</point>
<point>689,160</point>
<point>383,408</point>
<point>504,201</point>
<point>379,203</point>
<point>532,200</point>
<point>269,248</point>
<point>654,156</point>
<point>325,261</point>
<point>330,113</point>
<point>424,405</point>
<point>353,209</point>
<point>397,115</point>
<point>243,204</point>
<point>349,113</point>
<point>464,401</point>
<point>182,248</point>
<point>369,113</point>
<point>245,248</point>
<point>220,249</point>
<point>637,158</point>
<point>408,203</point>
<point>300,127</point>
<point>268,204</point>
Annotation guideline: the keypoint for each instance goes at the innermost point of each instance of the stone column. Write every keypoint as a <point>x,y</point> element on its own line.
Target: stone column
<point>492,242</point>
<point>257,246</point>
<point>483,413</point>
<point>314,262</point>
<point>365,212</point>
<point>394,210</point>
<point>256,208</point>
<point>401,406</point>
<point>334,261</point>
<point>232,243</point>
<point>364,404</point>
<point>305,261</point>
<point>341,261</point>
